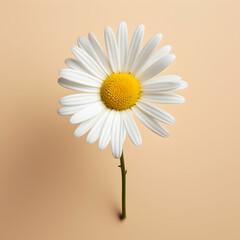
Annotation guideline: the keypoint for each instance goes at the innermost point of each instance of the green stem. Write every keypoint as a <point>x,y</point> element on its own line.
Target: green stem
<point>124,172</point>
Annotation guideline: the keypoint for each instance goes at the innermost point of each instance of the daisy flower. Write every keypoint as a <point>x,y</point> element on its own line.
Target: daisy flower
<point>116,86</point>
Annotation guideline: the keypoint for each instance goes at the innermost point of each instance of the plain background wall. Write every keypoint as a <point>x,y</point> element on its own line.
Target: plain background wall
<point>54,186</point>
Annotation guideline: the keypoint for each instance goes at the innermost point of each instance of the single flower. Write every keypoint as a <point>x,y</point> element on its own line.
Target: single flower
<point>118,86</point>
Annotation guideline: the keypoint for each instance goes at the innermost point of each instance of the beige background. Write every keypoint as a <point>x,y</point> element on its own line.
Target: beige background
<point>54,186</point>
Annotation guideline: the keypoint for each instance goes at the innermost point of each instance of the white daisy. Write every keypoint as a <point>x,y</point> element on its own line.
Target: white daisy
<point>117,86</point>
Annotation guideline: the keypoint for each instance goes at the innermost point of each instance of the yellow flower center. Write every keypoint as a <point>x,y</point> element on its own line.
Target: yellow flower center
<point>120,91</point>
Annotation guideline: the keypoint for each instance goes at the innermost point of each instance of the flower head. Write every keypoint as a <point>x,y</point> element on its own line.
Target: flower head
<point>116,86</point>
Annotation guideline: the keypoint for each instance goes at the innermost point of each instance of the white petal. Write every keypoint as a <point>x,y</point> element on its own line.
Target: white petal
<point>156,112</point>
<point>183,86</point>
<point>156,68</point>
<point>122,44</point>
<point>112,49</point>
<point>100,53</point>
<point>162,84</point>
<point>161,79</point>
<point>117,135</point>
<point>80,77</point>
<point>94,133</point>
<point>135,46</point>
<point>87,46</point>
<point>76,65</point>
<point>88,62</point>
<point>146,53</point>
<point>124,132</point>
<point>78,99</point>
<point>150,123</point>
<point>162,52</point>
<point>85,126</point>
<point>87,113</point>
<point>166,86</point>
<point>77,87</point>
<point>132,128</point>
<point>105,135</point>
<point>69,110</point>
<point>162,98</point>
